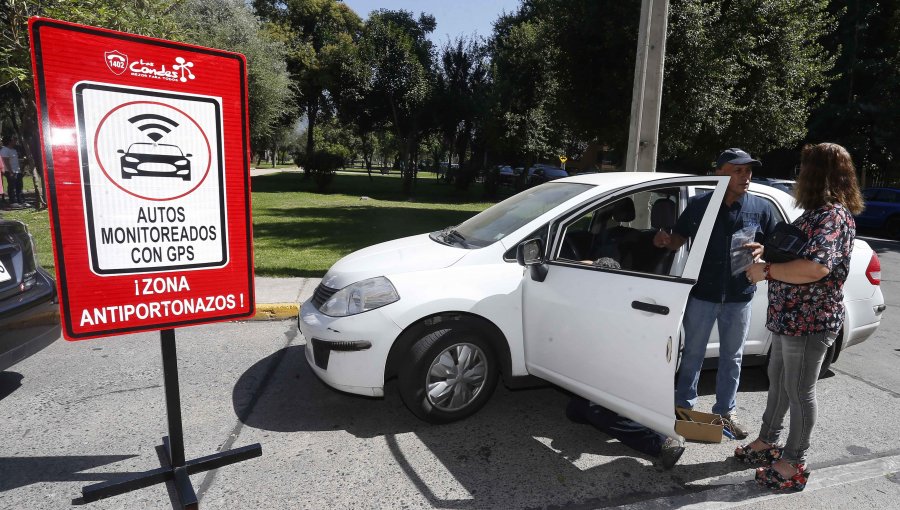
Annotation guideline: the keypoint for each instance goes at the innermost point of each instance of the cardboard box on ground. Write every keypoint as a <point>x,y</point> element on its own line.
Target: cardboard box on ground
<point>697,426</point>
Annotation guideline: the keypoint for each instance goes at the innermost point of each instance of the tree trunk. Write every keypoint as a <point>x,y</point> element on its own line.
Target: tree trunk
<point>312,112</point>
<point>30,141</point>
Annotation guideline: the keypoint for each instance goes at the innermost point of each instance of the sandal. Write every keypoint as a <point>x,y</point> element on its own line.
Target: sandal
<point>748,455</point>
<point>770,477</point>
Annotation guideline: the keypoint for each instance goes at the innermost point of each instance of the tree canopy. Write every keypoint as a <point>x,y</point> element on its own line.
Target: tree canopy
<point>553,78</point>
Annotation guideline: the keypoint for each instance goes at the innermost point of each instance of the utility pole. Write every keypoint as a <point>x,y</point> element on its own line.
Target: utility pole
<point>646,98</point>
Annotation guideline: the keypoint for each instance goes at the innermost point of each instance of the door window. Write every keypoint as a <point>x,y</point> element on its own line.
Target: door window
<point>618,233</point>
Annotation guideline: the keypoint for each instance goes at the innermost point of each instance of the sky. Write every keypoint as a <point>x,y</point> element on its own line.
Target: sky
<point>454,17</point>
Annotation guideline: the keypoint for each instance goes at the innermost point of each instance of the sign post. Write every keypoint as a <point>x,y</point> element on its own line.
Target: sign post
<point>146,160</point>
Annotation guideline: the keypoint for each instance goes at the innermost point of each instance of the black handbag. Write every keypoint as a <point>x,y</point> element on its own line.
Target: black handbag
<point>785,243</point>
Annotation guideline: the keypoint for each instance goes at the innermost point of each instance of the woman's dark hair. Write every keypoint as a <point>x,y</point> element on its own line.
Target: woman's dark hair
<point>827,175</point>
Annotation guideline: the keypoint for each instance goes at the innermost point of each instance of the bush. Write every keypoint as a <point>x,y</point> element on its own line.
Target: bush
<point>323,163</point>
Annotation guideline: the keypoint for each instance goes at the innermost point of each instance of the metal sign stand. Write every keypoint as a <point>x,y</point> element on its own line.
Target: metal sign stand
<point>177,470</point>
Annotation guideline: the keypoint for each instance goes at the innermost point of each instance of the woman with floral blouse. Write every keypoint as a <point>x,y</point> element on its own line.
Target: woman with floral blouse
<point>805,312</point>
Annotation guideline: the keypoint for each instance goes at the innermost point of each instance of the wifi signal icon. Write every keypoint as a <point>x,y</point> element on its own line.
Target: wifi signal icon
<point>153,125</point>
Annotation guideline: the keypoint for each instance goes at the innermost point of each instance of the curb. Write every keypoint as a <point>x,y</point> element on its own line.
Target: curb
<point>264,312</point>
<point>275,311</point>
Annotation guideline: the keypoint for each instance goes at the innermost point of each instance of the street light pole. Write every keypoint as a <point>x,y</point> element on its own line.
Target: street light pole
<point>646,98</point>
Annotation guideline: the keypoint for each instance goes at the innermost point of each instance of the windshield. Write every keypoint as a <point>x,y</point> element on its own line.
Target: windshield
<point>500,220</point>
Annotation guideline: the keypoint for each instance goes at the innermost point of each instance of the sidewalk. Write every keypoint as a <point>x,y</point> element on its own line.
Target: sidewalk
<point>280,298</point>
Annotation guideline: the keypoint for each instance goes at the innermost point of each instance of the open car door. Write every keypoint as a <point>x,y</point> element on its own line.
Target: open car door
<point>610,331</point>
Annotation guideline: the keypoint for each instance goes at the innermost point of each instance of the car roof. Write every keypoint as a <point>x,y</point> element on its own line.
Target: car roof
<point>614,180</point>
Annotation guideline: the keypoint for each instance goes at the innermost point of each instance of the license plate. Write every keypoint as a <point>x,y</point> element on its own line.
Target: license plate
<point>4,274</point>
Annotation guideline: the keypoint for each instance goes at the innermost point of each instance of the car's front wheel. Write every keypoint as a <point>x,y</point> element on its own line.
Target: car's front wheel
<point>448,374</point>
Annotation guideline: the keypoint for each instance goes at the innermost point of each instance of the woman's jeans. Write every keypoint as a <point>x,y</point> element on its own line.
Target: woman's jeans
<point>734,322</point>
<point>793,371</point>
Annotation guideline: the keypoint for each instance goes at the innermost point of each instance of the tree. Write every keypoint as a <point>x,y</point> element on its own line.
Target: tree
<point>310,27</point>
<point>230,24</point>
<point>17,107</point>
<point>396,47</point>
<point>353,96</point>
<point>862,111</point>
<point>460,98</point>
<point>524,124</point>
<point>742,73</point>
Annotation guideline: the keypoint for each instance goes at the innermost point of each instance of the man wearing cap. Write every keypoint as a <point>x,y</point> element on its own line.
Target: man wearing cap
<point>718,294</point>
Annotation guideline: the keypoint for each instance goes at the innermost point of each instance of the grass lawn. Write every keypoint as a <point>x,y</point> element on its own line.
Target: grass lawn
<point>299,232</point>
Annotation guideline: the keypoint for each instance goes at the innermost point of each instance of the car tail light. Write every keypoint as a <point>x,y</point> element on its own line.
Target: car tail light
<point>873,272</point>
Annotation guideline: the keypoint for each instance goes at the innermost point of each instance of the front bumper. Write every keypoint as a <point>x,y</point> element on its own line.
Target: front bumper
<point>348,353</point>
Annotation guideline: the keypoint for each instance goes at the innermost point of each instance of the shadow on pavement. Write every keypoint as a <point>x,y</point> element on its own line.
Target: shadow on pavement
<point>521,441</point>
<point>21,471</point>
<point>9,382</point>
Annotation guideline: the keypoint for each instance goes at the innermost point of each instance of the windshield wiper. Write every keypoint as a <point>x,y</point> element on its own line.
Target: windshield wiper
<point>452,233</point>
<point>451,236</point>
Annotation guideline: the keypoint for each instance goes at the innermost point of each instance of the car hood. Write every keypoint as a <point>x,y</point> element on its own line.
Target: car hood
<point>406,255</point>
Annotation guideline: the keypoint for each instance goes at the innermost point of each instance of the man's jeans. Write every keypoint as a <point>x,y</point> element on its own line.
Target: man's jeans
<point>793,371</point>
<point>734,322</point>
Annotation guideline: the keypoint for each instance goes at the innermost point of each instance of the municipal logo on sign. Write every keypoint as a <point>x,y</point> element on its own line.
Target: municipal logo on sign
<point>116,61</point>
<point>154,182</point>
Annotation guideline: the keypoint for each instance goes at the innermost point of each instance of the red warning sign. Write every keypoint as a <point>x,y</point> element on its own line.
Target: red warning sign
<point>146,160</point>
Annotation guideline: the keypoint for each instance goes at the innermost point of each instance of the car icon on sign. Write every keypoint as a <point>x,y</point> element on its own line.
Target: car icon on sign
<point>155,160</point>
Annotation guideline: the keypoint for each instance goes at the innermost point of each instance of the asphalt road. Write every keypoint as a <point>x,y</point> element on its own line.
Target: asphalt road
<point>80,413</point>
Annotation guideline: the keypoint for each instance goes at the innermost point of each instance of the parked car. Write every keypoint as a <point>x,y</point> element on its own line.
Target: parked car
<point>27,297</point>
<point>544,173</point>
<point>450,312</point>
<point>506,175</point>
<point>882,210</point>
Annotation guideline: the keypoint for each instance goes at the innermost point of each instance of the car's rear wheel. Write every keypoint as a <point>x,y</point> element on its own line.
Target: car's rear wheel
<point>448,374</point>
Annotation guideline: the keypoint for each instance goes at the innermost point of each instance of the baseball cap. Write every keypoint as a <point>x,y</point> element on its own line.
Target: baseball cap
<point>735,156</point>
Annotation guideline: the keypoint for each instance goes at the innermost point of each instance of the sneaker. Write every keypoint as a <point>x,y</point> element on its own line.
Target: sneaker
<point>670,453</point>
<point>733,428</point>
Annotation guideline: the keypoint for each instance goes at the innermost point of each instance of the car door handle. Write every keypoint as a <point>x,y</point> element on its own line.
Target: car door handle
<point>650,307</point>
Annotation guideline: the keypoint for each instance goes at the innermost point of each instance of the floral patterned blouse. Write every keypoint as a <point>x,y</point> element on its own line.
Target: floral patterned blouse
<point>800,310</point>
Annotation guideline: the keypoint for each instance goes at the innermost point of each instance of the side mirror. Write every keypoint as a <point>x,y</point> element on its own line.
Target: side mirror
<point>530,252</point>
<point>188,155</point>
<point>531,255</point>
<point>120,151</point>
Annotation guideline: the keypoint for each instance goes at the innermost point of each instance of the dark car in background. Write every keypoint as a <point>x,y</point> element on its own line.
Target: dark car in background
<point>544,173</point>
<point>28,320</point>
<point>882,211</point>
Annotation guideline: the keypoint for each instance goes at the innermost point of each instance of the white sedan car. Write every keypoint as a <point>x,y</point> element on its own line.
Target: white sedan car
<point>512,293</point>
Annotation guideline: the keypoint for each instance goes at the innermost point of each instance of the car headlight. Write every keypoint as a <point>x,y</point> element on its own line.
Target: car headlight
<point>131,160</point>
<point>181,162</point>
<point>360,297</point>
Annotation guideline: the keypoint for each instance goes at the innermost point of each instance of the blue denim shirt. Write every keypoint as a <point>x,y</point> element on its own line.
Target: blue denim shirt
<point>715,282</point>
